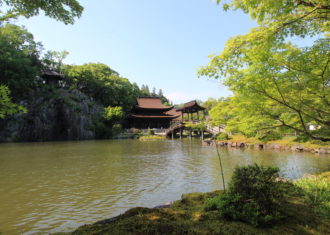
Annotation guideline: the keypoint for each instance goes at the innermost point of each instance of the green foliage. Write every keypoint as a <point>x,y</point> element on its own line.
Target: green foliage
<point>61,10</point>
<point>113,114</point>
<point>187,216</point>
<point>6,105</point>
<point>150,132</point>
<point>222,136</point>
<point>209,104</point>
<point>277,85</point>
<point>19,60</point>
<point>286,17</point>
<point>103,84</point>
<point>116,129</point>
<point>54,60</point>
<point>254,196</point>
<point>144,91</point>
<point>212,204</point>
<point>202,126</point>
<point>269,135</point>
<point>151,137</point>
<point>316,191</point>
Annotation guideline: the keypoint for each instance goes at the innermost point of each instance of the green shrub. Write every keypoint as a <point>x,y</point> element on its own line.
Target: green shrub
<point>212,203</point>
<point>254,196</point>
<point>222,136</point>
<point>116,129</point>
<point>150,132</point>
<point>269,136</point>
<point>316,192</point>
<point>151,137</point>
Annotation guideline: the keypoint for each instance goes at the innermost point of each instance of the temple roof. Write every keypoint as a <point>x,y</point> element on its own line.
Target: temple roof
<point>151,103</point>
<point>51,74</point>
<point>174,113</point>
<point>191,106</point>
<point>152,116</point>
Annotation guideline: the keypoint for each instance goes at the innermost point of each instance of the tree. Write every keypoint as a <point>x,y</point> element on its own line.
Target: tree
<point>145,90</point>
<point>7,107</point>
<point>154,92</point>
<point>286,17</point>
<point>19,60</point>
<point>102,83</point>
<point>277,85</point>
<point>54,60</point>
<point>113,114</point>
<point>61,10</point>
<point>160,93</point>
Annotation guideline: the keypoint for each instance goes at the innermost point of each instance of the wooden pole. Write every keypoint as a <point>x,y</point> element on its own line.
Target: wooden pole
<point>223,178</point>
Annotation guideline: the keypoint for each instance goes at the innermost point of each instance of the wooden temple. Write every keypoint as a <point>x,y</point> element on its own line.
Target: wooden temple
<point>189,109</point>
<point>52,77</point>
<point>149,112</point>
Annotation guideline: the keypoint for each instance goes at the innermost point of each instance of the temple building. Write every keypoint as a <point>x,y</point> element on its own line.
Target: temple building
<point>52,77</point>
<point>189,109</point>
<point>149,112</point>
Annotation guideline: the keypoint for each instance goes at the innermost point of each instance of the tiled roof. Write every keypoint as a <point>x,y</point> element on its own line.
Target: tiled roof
<point>151,103</point>
<point>193,105</point>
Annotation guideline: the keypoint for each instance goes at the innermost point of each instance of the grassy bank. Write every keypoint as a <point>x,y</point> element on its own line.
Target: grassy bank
<point>151,137</point>
<point>188,216</point>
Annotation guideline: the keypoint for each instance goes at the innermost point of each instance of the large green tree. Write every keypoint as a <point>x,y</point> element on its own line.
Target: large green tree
<point>103,84</point>
<point>278,85</point>
<point>19,60</point>
<point>61,10</point>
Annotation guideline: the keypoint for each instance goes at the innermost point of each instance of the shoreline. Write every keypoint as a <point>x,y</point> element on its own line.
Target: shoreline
<point>188,216</point>
<point>267,146</point>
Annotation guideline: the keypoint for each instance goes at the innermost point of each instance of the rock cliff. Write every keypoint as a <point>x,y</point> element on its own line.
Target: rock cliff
<point>53,114</point>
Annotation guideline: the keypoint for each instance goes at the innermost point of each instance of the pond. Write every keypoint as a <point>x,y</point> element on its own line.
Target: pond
<point>58,186</point>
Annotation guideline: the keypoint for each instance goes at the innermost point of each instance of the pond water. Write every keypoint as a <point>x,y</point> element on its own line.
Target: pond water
<point>58,186</point>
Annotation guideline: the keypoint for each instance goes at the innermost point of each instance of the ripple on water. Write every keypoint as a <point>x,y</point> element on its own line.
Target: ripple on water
<point>55,187</point>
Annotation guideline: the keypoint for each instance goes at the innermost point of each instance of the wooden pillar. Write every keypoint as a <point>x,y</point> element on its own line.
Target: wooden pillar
<point>172,134</point>
<point>202,134</point>
<point>198,115</point>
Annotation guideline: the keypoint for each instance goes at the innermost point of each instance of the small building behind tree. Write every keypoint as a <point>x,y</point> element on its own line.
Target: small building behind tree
<point>52,77</point>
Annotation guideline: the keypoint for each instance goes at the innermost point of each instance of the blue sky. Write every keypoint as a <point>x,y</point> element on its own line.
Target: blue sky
<point>154,42</point>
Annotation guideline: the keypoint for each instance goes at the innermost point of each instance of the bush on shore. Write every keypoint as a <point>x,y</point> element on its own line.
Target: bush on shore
<point>316,192</point>
<point>254,196</point>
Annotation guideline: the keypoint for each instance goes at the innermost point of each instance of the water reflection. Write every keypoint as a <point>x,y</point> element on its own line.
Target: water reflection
<point>53,187</point>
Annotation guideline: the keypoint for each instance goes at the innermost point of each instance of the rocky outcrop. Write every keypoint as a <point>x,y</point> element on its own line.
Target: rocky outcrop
<point>53,114</point>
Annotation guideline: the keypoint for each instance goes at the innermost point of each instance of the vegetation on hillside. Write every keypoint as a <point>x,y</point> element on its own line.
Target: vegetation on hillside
<point>22,63</point>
